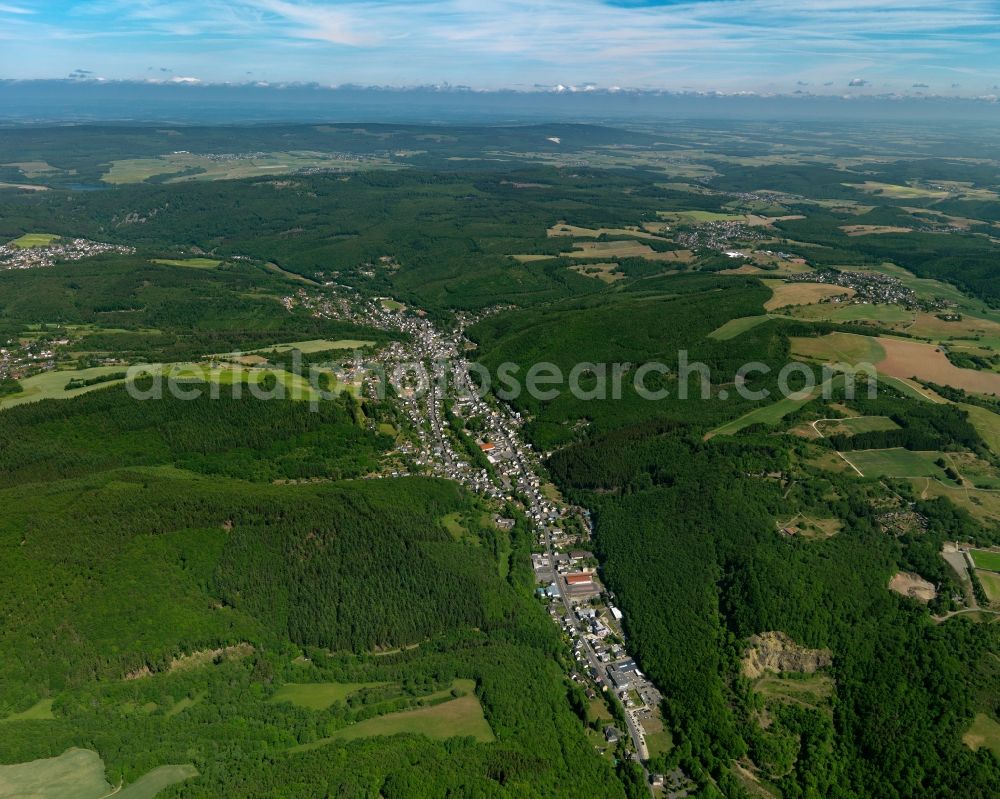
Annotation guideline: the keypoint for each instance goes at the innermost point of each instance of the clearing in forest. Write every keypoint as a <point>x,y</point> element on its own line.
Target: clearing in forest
<point>40,711</point>
<point>79,774</point>
<point>191,263</point>
<point>607,273</point>
<point>855,425</point>
<point>459,717</point>
<point>985,731</point>
<point>868,230</point>
<point>319,695</point>
<point>628,248</point>
<point>913,586</point>
<point>734,327</point>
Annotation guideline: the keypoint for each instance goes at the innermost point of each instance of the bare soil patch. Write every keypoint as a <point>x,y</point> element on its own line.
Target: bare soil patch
<point>775,651</point>
<point>913,586</point>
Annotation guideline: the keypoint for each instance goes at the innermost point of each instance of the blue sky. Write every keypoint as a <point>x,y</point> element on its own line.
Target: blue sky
<point>820,46</point>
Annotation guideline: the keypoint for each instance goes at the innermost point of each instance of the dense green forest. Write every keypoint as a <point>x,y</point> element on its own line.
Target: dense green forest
<point>168,568</point>
<point>124,539</point>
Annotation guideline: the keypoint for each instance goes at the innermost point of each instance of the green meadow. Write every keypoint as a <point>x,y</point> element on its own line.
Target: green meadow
<point>320,695</point>
<point>986,560</point>
<point>453,718</point>
<point>897,462</point>
<point>29,240</point>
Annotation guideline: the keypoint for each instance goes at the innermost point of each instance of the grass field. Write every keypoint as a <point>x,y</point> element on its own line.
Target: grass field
<point>456,717</point>
<point>984,731</point>
<point>855,425</point>
<point>659,741</point>
<point>391,304</point>
<point>75,774</point>
<point>79,774</point>
<point>152,782</point>
<point>191,263</point>
<point>624,249</point>
<point>897,462</point>
<point>698,217</point>
<point>812,526</point>
<point>40,711</point>
<point>52,385</point>
<point>811,691</point>
<point>318,345</point>
<point>904,358</point>
<point>991,584</point>
<point>34,240</point>
<point>531,258</point>
<point>453,524</point>
<point>734,327</point>
<point>561,229</point>
<point>983,505</point>
<point>986,560</point>
<point>768,414</point>
<point>319,695</point>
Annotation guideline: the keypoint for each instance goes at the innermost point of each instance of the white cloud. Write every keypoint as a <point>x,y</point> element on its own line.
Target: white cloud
<point>730,44</point>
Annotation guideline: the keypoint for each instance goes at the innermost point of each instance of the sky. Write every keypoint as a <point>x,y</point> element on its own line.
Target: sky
<point>838,47</point>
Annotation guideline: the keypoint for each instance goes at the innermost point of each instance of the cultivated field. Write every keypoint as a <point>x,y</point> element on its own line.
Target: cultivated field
<point>784,294</point>
<point>843,347</point>
<point>905,358</point>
